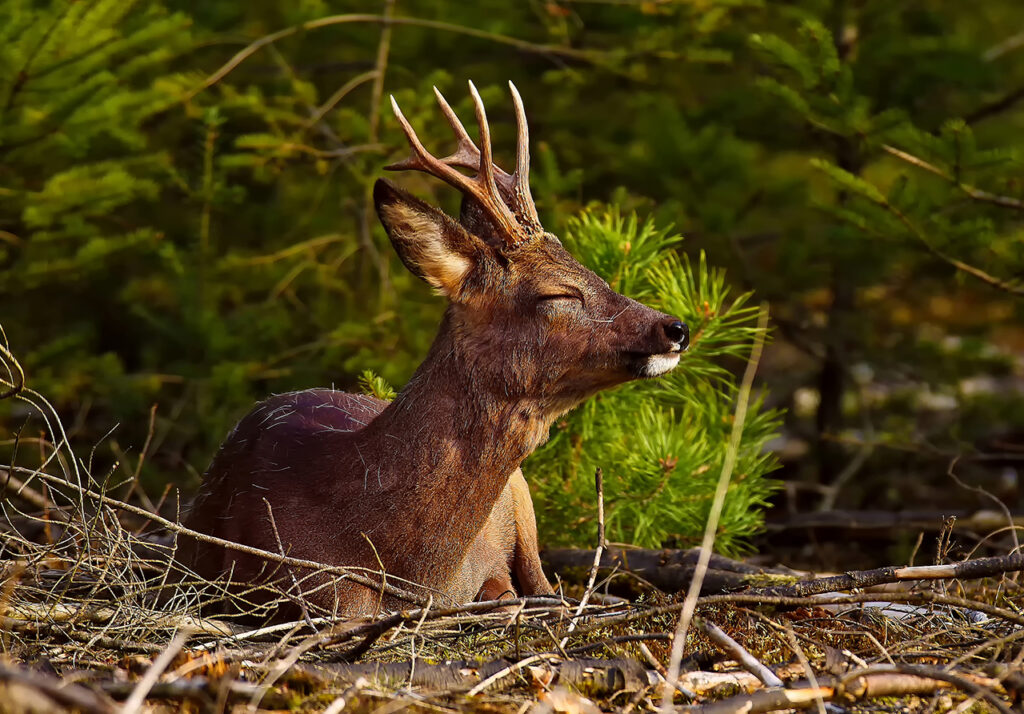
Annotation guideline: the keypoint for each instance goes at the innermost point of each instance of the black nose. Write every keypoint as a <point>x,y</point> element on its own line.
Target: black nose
<point>678,332</point>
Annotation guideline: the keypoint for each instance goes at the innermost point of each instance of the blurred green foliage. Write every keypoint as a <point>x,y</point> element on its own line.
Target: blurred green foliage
<point>177,235</point>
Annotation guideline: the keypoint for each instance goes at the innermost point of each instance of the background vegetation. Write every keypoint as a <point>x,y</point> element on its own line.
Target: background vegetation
<point>183,229</point>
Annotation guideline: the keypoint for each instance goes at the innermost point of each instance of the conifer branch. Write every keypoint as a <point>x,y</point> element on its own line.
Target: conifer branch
<point>257,45</point>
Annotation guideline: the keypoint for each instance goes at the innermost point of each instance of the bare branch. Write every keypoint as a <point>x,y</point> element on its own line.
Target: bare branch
<point>976,193</point>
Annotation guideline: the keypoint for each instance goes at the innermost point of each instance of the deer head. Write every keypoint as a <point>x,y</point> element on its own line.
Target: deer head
<point>525,318</point>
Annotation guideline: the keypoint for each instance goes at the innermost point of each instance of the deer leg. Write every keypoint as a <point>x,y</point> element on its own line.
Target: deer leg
<point>526,558</point>
<point>496,588</point>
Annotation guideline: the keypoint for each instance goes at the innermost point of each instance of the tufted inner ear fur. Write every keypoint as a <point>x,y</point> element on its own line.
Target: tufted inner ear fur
<point>431,245</point>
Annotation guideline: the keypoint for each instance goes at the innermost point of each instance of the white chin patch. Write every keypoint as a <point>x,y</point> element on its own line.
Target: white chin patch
<point>657,365</point>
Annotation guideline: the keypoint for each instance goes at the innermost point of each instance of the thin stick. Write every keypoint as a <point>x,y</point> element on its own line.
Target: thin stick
<point>982,492</point>
<point>281,667</point>
<point>976,193</point>
<point>142,459</point>
<point>733,648</point>
<point>599,485</point>
<point>380,68</point>
<point>33,497</point>
<point>507,671</point>
<point>319,114</point>
<point>1013,285</point>
<point>138,696</point>
<point>690,603</point>
<point>261,631</point>
<point>376,92</point>
<point>806,664</point>
<point>383,576</point>
<point>14,369</point>
<point>295,582</point>
<point>663,673</point>
<point>372,631</point>
<point>339,704</point>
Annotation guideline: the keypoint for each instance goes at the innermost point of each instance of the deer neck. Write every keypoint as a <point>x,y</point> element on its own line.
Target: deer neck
<point>446,449</point>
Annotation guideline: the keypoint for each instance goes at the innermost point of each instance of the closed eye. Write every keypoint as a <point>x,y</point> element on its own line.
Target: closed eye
<point>564,294</point>
<point>560,304</point>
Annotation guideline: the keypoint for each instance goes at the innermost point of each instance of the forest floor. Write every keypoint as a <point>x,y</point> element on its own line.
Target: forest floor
<point>83,632</point>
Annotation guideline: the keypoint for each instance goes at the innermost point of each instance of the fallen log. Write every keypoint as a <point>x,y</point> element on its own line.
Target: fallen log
<point>596,677</point>
<point>668,570</point>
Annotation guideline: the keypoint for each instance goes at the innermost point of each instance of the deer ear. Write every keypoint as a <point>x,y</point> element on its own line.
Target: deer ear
<point>433,246</point>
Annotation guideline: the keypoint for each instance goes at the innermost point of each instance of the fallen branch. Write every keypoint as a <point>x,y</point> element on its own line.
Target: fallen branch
<point>702,684</point>
<point>201,689</point>
<point>977,568</point>
<point>50,613</point>
<point>506,671</point>
<point>715,511</point>
<point>14,485</point>
<point>859,686</point>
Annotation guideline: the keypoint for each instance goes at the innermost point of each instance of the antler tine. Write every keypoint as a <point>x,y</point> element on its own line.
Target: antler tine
<point>467,155</point>
<point>482,187</point>
<point>486,170</point>
<point>423,160</point>
<point>521,178</point>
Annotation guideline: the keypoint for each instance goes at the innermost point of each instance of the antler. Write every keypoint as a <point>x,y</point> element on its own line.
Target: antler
<point>504,197</point>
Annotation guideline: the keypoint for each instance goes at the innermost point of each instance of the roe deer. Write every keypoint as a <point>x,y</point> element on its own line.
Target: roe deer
<point>428,488</point>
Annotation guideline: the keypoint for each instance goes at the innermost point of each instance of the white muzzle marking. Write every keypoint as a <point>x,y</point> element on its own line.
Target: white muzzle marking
<point>658,365</point>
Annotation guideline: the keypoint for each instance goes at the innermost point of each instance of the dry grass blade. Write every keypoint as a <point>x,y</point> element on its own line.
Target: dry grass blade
<point>690,603</point>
